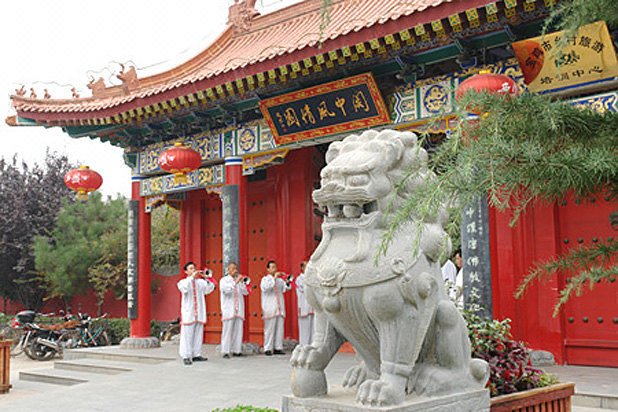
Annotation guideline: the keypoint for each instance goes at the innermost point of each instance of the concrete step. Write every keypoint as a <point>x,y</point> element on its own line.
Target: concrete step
<point>105,353</point>
<point>604,402</point>
<point>100,366</point>
<point>57,376</point>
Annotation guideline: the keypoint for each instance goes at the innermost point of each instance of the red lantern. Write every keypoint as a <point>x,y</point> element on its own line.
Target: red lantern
<point>180,160</point>
<point>488,82</point>
<point>83,181</point>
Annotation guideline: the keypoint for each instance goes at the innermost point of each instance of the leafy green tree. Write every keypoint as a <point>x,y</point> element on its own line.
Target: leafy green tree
<point>165,240</point>
<point>110,271</point>
<point>30,198</point>
<point>77,244</point>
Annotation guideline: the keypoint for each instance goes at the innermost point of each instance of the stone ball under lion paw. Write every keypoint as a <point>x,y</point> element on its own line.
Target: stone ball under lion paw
<point>307,383</point>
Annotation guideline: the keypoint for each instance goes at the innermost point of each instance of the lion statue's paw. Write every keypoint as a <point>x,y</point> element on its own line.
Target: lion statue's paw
<point>356,375</point>
<point>382,392</point>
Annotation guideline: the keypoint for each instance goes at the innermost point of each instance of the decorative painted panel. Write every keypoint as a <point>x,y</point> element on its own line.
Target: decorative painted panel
<point>437,99</point>
<point>434,97</point>
<point>245,139</point>
<point>201,178</point>
<point>606,102</point>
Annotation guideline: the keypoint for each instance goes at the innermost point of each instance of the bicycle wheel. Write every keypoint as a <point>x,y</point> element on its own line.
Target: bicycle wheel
<point>102,339</point>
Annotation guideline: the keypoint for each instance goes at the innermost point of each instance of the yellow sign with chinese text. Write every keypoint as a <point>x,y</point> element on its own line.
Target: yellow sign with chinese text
<point>587,56</point>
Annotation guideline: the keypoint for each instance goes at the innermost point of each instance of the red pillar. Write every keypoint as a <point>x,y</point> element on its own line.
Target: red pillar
<point>140,327</point>
<point>233,176</point>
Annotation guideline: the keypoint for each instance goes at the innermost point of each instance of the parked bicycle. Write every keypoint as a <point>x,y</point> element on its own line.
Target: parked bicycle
<point>93,335</point>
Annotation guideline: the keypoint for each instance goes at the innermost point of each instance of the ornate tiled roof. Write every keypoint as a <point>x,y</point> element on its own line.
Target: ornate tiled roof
<point>251,44</point>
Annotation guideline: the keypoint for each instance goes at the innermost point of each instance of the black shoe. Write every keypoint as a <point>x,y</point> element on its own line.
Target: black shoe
<point>279,352</point>
<point>268,353</point>
<point>187,361</point>
<point>238,355</point>
<point>226,356</point>
<point>199,359</point>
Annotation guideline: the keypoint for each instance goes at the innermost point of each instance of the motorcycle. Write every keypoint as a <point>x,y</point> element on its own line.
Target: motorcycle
<point>47,342</point>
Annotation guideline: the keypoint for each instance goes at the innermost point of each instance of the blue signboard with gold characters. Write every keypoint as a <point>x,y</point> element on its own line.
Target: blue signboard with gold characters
<point>330,108</point>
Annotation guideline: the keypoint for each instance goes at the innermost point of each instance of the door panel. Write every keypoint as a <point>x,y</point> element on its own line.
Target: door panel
<point>213,258</point>
<point>590,320</point>
<point>257,209</point>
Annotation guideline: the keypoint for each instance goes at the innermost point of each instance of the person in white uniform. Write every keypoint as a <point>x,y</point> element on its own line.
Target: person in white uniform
<point>449,275</point>
<point>305,311</point>
<point>233,290</point>
<point>459,281</point>
<point>193,288</point>
<point>273,286</point>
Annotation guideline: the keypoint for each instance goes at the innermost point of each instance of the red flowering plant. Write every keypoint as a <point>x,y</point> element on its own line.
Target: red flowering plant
<point>509,361</point>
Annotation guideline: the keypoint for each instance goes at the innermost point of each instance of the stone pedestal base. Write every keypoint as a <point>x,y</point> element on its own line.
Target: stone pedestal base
<point>140,343</point>
<point>343,400</point>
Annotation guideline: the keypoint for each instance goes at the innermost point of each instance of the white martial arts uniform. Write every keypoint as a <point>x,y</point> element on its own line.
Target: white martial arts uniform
<point>273,308</point>
<point>232,314</point>
<point>459,298</point>
<point>193,315</point>
<point>449,275</point>
<point>305,313</point>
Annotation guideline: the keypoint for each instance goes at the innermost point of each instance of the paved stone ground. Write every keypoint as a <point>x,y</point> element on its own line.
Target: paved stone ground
<point>217,383</point>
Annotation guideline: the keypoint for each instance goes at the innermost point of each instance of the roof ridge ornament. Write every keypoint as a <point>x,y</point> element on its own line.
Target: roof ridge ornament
<point>240,15</point>
<point>97,87</point>
<point>129,79</point>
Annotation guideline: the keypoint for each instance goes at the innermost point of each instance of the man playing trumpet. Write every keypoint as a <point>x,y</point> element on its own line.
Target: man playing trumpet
<point>273,285</point>
<point>193,288</point>
<point>233,288</point>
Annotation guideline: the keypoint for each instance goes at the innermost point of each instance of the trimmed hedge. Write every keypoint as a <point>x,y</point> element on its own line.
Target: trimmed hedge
<point>120,328</point>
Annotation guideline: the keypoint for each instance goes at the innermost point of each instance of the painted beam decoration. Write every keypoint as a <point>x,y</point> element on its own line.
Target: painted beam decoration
<point>340,106</point>
<point>201,178</point>
<point>588,56</point>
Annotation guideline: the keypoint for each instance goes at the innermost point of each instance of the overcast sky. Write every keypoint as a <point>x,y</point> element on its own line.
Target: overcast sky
<point>63,41</point>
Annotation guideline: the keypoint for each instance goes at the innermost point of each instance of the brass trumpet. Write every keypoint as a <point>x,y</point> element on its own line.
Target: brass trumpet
<point>286,278</point>
<point>203,274</point>
<point>246,280</point>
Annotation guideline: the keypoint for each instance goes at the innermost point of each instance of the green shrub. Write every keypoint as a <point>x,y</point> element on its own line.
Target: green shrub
<point>117,328</point>
<point>120,328</point>
<point>5,319</point>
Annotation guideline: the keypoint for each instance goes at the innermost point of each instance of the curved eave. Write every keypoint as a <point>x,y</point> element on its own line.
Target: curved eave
<point>161,89</point>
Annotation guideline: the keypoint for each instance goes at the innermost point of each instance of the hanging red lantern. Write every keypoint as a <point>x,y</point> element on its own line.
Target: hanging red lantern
<point>180,160</point>
<point>488,82</point>
<point>83,181</point>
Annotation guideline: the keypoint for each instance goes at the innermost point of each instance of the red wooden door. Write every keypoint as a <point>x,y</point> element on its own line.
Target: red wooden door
<point>591,320</point>
<point>213,258</point>
<point>257,209</point>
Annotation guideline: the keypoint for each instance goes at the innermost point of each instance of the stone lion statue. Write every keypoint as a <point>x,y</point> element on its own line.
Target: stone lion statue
<point>409,336</point>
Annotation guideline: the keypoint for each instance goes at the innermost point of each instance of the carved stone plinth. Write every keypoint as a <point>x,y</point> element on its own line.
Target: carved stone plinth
<point>140,343</point>
<point>343,400</point>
